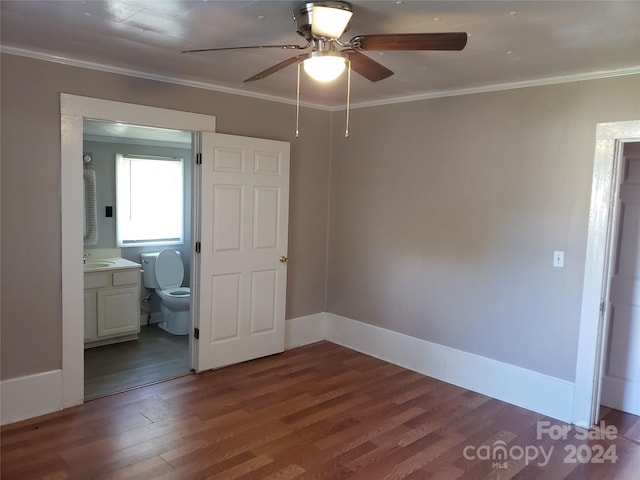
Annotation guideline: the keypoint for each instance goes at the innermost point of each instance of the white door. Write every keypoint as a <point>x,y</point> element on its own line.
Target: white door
<point>621,379</point>
<point>243,270</point>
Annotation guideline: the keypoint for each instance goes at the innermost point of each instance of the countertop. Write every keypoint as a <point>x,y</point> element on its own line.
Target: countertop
<point>113,263</point>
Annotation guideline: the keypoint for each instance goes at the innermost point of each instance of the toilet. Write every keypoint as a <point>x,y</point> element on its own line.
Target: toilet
<point>164,272</point>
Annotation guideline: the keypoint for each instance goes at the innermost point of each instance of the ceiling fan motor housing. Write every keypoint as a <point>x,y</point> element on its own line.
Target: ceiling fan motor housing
<point>304,16</point>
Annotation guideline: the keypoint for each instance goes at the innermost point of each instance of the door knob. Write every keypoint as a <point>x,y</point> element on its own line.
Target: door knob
<point>284,259</point>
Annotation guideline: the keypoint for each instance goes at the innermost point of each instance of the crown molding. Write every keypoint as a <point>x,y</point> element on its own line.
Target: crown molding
<point>73,62</point>
<point>39,55</point>
<point>498,87</point>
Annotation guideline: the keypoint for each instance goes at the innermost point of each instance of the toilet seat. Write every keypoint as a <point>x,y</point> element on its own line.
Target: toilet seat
<point>177,299</point>
<point>169,269</point>
<point>177,292</point>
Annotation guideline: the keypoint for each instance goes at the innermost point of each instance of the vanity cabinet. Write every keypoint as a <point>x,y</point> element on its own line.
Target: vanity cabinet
<point>111,306</point>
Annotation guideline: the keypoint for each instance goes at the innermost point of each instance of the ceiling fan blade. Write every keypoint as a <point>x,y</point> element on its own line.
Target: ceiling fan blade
<point>410,41</point>
<point>278,66</point>
<point>281,47</point>
<point>369,69</point>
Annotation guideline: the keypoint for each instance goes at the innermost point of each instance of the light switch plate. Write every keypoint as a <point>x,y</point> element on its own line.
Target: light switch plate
<point>558,259</point>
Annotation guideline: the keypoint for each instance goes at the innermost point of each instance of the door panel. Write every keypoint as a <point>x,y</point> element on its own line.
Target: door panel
<point>267,163</point>
<point>225,306</point>
<point>228,160</point>
<point>227,217</point>
<point>264,287</point>
<point>265,217</point>
<point>621,379</point>
<point>242,282</point>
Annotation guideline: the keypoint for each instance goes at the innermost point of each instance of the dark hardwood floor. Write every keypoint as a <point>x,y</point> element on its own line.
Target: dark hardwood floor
<point>156,355</point>
<point>316,412</point>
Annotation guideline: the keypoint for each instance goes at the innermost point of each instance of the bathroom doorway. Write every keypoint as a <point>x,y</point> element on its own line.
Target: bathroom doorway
<point>122,363</point>
<point>73,110</point>
<point>620,375</point>
<point>595,322</point>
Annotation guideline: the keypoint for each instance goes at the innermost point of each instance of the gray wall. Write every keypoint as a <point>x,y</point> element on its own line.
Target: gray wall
<point>31,328</point>
<point>445,214</point>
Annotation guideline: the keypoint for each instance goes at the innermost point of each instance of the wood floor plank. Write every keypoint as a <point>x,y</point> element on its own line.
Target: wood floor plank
<point>156,355</point>
<point>206,467</point>
<point>35,467</point>
<point>153,467</point>
<point>287,473</point>
<point>316,412</point>
<point>243,468</point>
<point>363,431</point>
<point>329,464</point>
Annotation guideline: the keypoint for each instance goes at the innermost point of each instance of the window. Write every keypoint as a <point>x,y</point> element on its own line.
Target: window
<point>149,200</point>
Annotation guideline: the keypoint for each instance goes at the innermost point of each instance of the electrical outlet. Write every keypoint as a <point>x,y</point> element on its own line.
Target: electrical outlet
<point>558,259</point>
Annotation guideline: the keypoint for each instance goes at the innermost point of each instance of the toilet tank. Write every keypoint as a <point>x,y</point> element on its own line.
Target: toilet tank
<point>149,269</point>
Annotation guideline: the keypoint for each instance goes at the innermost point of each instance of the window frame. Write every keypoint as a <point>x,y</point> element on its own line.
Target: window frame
<point>122,206</point>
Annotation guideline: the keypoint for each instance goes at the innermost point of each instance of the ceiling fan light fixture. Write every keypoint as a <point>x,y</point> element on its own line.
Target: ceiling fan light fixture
<point>324,66</point>
<point>330,21</point>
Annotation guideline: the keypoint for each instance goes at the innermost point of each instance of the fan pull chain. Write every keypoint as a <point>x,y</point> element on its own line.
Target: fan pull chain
<point>346,129</point>
<point>298,103</point>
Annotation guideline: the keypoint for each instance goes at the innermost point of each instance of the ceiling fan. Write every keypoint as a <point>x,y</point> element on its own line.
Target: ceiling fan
<point>323,23</point>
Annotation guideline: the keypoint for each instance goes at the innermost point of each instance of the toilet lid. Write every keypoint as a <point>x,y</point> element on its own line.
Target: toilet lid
<point>169,269</point>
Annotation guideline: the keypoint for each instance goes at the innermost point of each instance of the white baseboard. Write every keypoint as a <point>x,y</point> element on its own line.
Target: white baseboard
<point>34,395</point>
<point>30,396</point>
<point>304,330</point>
<point>512,384</point>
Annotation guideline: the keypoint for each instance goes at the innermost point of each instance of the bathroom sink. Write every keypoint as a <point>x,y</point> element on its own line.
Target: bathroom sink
<point>98,264</point>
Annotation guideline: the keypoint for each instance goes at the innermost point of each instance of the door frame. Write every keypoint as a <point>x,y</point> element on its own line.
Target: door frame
<point>594,317</point>
<point>73,110</point>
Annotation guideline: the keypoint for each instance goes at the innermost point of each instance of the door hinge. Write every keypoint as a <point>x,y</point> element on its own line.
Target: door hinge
<point>602,308</point>
<point>198,158</point>
<point>198,247</point>
<point>196,333</point>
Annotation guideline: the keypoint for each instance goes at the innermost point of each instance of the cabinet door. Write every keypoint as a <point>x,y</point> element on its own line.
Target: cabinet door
<point>118,311</point>
<point>90,316</point>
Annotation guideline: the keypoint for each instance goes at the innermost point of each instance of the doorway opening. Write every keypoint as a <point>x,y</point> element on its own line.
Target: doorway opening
<point>620,371</point>
<point>602,246</point>
<point>240,203</point>
<point>145,352</point>
<point>74,110</point>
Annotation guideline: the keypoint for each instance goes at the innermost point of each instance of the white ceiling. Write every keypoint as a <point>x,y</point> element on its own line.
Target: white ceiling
<point>510,43</point>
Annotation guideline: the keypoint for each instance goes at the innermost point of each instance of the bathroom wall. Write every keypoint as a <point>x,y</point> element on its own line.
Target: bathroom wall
<point>103,162</point>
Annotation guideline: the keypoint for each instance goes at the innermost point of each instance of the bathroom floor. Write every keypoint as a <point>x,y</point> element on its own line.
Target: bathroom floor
<point>155,356</point>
